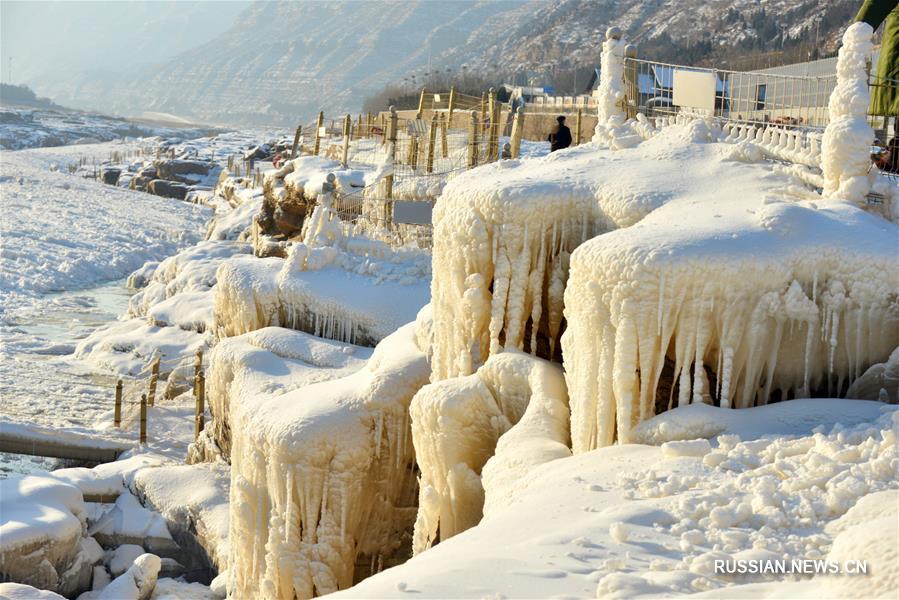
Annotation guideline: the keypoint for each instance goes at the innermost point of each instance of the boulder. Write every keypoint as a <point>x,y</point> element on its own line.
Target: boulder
<point>168,189</point>
<point>110,176</point>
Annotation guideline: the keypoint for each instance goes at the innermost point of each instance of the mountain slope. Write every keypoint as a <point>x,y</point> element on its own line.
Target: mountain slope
<point>282,62</point>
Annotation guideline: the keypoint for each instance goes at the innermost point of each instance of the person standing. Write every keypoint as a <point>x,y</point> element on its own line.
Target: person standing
<point>560,136</point>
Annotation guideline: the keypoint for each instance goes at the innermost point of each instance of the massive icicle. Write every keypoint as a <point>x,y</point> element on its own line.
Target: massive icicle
<point>845,152</point>
<point>324,475</point>
<point>455,427</point>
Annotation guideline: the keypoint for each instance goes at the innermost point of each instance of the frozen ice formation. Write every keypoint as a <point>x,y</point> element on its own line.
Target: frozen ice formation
<point>456,424</point>
<point>269,362</point>
<point>357,293</point>
<point>323,477</point>
<point>845,151</point>
<point>610,92</point>
<point>754,297</point>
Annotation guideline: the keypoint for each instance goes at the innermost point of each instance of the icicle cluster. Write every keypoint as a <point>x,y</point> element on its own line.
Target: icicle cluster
<point>500,266</point>
<point>650,330</point>
<point>455,427</point>
<point>324,476</point>
<point>847,140</point>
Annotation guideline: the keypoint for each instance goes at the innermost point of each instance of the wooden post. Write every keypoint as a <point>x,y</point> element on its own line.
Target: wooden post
<point>143,418</point>
<point>432,140</point>
<point>154,377</point>
<point>200,420</point>
<point>412,157</point>
<point>391,138</point>
<point>473,140</point>
<point>421,104</point>
<point>318,130</point>
<point>198,366</point>
<point>443,141</point>
<point>493,146</point>
<point>117,414</point>
<point>517,130</point>
<point>577,130</point>
<point>296,142</point>
<point>452,105</point>
<point>371,123</point>
<point>359,128</point>
<point>347,126</point>
<point>484,111</point>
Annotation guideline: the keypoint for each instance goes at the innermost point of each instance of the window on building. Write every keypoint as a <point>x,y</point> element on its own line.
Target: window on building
<point>761,91</point>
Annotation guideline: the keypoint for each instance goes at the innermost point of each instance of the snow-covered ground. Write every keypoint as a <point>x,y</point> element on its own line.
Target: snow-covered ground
<point>775,482</point>
<point>28,127</point>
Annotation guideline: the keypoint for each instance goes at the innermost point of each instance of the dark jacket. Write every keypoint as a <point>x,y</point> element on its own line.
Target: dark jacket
<point>559,137</point>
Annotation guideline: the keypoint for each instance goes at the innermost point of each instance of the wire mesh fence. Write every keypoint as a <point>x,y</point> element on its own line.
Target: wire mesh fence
<point>754,97</point>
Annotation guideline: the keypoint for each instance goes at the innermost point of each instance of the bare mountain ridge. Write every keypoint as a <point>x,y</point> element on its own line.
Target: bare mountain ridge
<point>282,62</point>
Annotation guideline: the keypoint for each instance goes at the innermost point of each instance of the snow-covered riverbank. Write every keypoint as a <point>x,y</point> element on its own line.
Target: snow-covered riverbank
<point>67,245</point>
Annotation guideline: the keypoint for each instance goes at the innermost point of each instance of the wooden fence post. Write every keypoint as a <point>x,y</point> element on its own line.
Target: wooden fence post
<point>517,130</point>
<point>412,157</point>
<point>443,141</point>
<point>421,104</point>
<point>391,139</point>
<point>357,134</point>
<point>577,134</point>
<point>198,366</point>
<point>117,414</point>
<point>318,132</point>
<point>143,418</point>
<point>432,139</point>
<point>452,105</point>
<point>296,142</point>
<point>347,126</point>
<point>154,377</point>
<point>473,140</point>
<point>493,143</point>
<point>200,420</point>
<point>483,123</point>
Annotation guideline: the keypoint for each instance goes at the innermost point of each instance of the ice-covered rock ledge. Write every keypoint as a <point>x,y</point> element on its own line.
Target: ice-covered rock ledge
<point>356,292</point>
<point>504,232</point>
<point>43,536</point>
<point>266,363</point>
<point>323,477</point>
<point>751,295</point>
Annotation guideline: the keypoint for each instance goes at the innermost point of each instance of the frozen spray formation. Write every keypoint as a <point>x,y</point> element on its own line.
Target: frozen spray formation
<point>323,475</point>
<point>755,297</point>
<point>845,152</point>
<point>611,84</point>
<point>455,427</point>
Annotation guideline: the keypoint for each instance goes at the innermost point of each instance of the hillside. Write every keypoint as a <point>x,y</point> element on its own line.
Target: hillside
<point>282,62</point>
